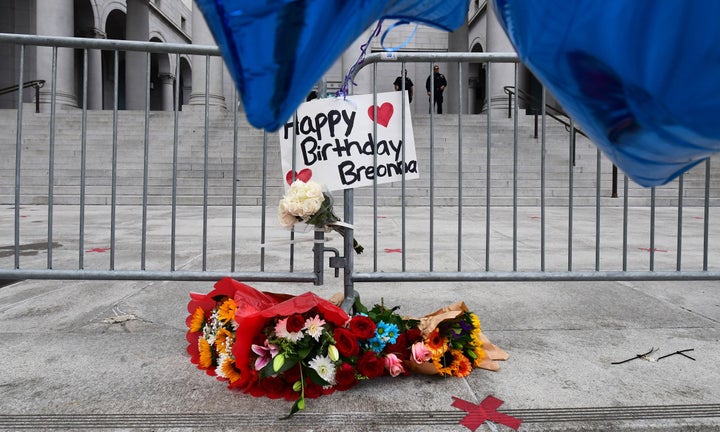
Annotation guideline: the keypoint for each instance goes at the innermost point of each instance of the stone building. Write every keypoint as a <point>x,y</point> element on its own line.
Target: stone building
<point>178,21</point>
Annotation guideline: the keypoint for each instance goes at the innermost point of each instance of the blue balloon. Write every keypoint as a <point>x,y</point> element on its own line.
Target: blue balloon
<point>276,50</point>
<point>641,77</point>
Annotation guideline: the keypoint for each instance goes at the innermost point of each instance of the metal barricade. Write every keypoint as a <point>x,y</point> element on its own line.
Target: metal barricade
<point>494,202</point>
<point>141,195</point>
<point>576,231</point>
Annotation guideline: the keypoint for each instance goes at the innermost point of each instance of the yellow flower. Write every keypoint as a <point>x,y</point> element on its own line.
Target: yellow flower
<point>476,326</point>
<point>206,358</point>
<point>227,369</point>
<point>224,341</point>
<point>448,363</point>
<point>198,320</point>
<point>226,312</point>
<point>480,355</point>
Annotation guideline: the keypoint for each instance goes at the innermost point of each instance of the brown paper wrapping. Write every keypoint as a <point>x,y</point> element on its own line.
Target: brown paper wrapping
<point>428,323</point>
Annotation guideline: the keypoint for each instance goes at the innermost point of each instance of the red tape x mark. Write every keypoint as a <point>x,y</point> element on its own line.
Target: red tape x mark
<point>486,410</point>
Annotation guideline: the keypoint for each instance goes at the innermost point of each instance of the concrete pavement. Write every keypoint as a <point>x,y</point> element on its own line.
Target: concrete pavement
<point>94,355</point>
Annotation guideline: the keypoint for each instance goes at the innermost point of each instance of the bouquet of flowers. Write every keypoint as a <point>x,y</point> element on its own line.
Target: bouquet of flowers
<point>267,344</point>
<point>456,344</point>
<point>448,342</point>
<point>298,347</point>
<point>306,202</point>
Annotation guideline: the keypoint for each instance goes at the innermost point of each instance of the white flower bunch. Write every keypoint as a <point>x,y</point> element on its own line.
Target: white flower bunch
<point>300,203</point>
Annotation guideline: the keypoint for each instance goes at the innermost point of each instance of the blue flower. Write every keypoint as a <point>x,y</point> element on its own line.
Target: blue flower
<point>376,344</point>
<point>388,333</point>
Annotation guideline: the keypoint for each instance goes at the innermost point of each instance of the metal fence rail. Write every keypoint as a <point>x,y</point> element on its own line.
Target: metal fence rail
<point>493,202</point>
<point>132,255</point>
<point>599,239</point>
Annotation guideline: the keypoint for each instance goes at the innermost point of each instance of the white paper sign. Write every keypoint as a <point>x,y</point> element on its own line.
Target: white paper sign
<point>335,142</point>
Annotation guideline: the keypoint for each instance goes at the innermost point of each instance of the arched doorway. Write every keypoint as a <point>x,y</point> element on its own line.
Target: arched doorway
<point>162,81</point>
<point>185,81</point>
<point>85,26</point>
<point>476,99</point>
<point>115,29</point>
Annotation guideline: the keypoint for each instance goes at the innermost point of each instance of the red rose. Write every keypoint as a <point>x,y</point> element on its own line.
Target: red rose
<point>362,327</point>
<point>295,323</point>
<point>345,377</point>
<point>399,348</point>
<point>371,365</point>
<point>413,335</point>
<point>274,387</point>
<point>346,342</point>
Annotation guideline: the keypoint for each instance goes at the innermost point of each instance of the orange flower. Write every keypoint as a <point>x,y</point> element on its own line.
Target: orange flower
<point>464,367</point>
<point>197,321</point>
<point>206,358</point>
<point>436,343</point>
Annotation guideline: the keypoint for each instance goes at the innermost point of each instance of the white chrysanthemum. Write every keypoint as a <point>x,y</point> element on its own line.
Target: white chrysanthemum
<point>324,367</point>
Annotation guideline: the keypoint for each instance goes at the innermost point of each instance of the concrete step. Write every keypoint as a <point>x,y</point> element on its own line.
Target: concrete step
<point>191,161</point>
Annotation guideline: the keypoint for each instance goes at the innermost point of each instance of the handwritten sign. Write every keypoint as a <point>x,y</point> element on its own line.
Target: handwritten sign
<point>335,143</point>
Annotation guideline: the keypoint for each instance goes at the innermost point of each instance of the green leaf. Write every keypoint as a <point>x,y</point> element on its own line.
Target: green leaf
<point>359,307</point>
<point>315,378</point>
<point>297,406</point>
<point>269,370</point>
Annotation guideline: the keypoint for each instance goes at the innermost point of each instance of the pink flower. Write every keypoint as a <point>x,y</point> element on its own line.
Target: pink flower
<point>314,327</point>
<point>265,354</point>
<point>394,365</point>
<point>421,353</point>
<point>282,331</point>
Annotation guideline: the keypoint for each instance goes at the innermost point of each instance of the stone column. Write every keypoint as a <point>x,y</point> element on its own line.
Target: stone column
<point>201,36</point>
<point>95,78</point>
<point>56,18</point>
<point>166,82</point>
<point>501,74</point>
<point>137,28</point>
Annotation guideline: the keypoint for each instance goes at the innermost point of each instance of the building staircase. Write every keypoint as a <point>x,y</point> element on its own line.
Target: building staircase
<point>454,148</point>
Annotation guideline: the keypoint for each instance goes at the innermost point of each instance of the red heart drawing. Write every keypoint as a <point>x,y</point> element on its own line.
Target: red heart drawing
<point>385,111</point>
<point>305,174</point>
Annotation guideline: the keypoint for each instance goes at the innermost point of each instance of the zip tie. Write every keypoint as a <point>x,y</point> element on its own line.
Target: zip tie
<point>342,224</point>
<point>681,352</point>
<point>645,356</point>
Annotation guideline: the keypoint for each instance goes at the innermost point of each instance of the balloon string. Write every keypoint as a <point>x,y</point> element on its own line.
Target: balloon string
<point>402,45</point>
<point>344,91</point>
